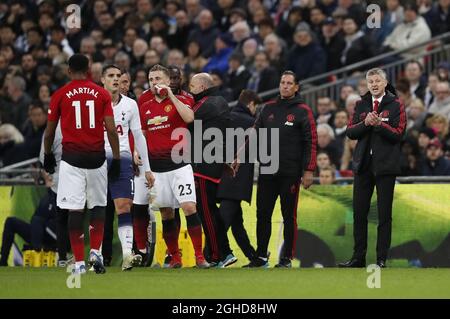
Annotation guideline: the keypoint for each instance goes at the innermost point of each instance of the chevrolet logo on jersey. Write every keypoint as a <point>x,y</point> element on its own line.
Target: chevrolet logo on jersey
<point>157,120</point>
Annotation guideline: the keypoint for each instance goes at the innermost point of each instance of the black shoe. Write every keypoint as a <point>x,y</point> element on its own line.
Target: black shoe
<point>381,263</point>
<point>284,263</point>
<point>258,262</point>
<point>107,261</point>
<point>353,263</point>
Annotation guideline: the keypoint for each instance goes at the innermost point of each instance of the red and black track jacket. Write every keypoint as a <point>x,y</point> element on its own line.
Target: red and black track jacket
<point>297,135</point>
<point>383,140</point>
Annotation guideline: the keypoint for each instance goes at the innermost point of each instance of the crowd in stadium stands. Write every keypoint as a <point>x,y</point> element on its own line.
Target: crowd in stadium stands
<point>244,45</point>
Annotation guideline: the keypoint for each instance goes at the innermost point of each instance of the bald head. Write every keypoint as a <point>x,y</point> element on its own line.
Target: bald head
<point>200,82</point>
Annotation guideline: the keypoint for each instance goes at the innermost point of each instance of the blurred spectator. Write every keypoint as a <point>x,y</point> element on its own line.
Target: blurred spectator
<point>347,155</point>
<point>175,57</point>
<point>219,61</point>
<point>430,90</point>
<point>249,50</point>
<point>317,18</point>
<point>223,12</point>
<point>438,17</point>
<point>122,60</point>
<point>193,9</point>
<point>264,77</point>
<point>358,46</point>
<point>306,58</point>
<point>443,71</point>
<point>394,13</point>
<point>403,91</point>
<point>413,30</point>
<point>238,75</point>
<point>205,33</point>
<point>327,6</point>
<point>10,137</point>
<point>424,6</point>
<point>333,42</point>
<point>241,33</point>
<point>327,175</point>
<point>260,19</point>
<point>326,142</point>
<point>139,49</point>
<point>151,58</point>
<point>237,15</point>
<point>426,134</point>
<point>416,114</point>
<point>159,25</point>
<point>340,126</point>
<point>29,66</point>
<point>44,94</point>
<point>128,39</point>
<point>410,157</point>
<point>96,72</point>
<point>56,54</point>
<point>194,61</point>
<point>350,103</point>
<point>184,27</point>
<point>362,86</point>
<point>274,49</point>
<point>439,124</point>
<point>413,73</point>
<point>265,27</point>
<point>324,113</point>
<point>159,44</point>
<point>441,104</point>
<point>219,83</point>
<point>32,131</point>
<point>354,10</point>
<point>435,164</point>
<point>14,107</point>
<point>323,160</point>
<point>141,79</point>
<point>344,92</point>
<point>287,28</point>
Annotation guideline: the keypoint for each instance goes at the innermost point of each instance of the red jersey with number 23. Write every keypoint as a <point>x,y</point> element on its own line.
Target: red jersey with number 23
<point>82,106</point>
<point>159,120</point>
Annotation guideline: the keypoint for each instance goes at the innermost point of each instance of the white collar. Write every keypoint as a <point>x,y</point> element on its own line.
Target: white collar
<point>378,99</point>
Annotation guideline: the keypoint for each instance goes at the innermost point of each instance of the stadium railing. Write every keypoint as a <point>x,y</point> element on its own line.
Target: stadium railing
<point>437,50</point>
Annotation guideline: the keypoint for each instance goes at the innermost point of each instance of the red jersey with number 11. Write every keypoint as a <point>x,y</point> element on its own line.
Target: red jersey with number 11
<point>82,106</point>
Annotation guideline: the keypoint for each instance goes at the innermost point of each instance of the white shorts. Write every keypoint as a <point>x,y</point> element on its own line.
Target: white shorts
<point>78,185</point>
<point>175,187</point>
<point>141,192</point>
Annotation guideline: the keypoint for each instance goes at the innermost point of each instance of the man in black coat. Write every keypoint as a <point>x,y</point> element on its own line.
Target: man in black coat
<point>211,112</point>
<point>233,190</point>
<point>378,124</point>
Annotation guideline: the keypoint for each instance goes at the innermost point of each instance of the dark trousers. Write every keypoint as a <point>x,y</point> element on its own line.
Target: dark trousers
<point>108,231</point>
<point>33,233</point>
<point>231,214</point>
<point>363,187</point>
<point>269,188</point>
<point>217,246</point>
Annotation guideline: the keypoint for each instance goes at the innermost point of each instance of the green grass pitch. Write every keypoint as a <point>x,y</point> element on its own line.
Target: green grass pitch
<point>226,283</point>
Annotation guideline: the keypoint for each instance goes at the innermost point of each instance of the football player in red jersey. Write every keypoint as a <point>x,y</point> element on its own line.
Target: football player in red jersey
<point>174,182</point>
<point>85,111</point>
<point>141,216</point>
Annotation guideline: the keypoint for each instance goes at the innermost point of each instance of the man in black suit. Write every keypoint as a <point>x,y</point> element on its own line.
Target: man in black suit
<point>378,124</point>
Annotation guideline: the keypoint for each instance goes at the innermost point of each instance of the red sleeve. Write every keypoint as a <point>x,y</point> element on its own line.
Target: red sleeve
<point>187,99</point>
<point>54,111</point>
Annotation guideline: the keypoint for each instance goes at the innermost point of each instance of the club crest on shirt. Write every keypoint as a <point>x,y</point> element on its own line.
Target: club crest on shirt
<point>385,114</point>
<point>168,108</point>
<point>290,117</point>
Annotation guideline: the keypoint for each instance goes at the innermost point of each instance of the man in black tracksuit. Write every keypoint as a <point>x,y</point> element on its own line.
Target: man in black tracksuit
<point>378,124</point>
<point>212,111</point>
<point>297,142</point>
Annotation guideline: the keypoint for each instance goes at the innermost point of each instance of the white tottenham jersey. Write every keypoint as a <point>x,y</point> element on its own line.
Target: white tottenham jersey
<point>126,117</point>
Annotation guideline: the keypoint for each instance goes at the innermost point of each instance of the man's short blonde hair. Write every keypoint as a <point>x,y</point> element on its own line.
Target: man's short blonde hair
<point>376,71</point>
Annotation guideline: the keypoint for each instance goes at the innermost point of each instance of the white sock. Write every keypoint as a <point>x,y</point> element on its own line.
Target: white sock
<point>78,264</point>
<point>126,238</point>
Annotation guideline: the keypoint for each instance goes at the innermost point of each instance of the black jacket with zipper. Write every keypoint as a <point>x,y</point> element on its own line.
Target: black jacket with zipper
<point>384,140</point>
<point>213,112</point>
<point>297,135</point>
